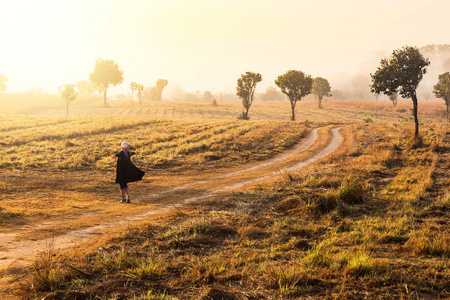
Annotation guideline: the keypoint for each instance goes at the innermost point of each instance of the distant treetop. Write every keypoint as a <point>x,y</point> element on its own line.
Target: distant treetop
<point>106,73</point>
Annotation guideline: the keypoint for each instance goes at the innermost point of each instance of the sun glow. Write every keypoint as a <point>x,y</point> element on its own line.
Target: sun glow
<point>205,45</point>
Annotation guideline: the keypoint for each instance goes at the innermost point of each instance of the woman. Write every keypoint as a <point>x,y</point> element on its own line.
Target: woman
<point>126,171</point>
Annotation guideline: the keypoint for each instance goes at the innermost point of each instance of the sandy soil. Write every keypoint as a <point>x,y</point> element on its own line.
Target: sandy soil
<point>16,254</point>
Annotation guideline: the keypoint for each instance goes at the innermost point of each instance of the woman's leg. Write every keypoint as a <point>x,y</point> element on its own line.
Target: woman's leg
<point>123,191</point>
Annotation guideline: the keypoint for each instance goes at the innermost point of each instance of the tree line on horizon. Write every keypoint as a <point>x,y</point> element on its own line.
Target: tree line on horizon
<point>294,84</point>
<point>107,73</point>
<point>398,75</point>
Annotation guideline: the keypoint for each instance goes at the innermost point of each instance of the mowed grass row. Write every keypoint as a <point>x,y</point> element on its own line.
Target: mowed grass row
<point>368,222</point>
<point>62,169</point>
<point>280,111</point>
<point>88,143</point>
<point>306,109</point>
<point>173,110</point>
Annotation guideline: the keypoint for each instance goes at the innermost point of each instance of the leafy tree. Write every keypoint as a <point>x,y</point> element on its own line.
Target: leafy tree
<point>401,73</point>
<point>106,73</point>
<point>246,86</point>
<point>442,89</point>
<point>85,87</point>
<point>321,88</point>
<point>133,88</point>
<point>69,94</point>
<point>296,85</point>
<point>157,90</point>
<point>3,81</point>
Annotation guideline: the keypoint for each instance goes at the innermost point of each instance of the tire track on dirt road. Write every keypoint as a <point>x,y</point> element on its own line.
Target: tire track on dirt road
<point>15,254</point>
<point>302,147</point>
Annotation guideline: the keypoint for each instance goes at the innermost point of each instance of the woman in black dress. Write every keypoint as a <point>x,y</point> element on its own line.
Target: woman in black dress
<point>126,171</point>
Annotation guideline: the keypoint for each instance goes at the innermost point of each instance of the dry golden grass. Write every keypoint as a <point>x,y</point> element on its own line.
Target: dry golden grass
<point>62,167</point>
<point>368,222</point>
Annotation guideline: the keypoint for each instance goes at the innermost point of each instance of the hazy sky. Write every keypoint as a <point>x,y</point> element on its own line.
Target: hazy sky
<point>207,44</point>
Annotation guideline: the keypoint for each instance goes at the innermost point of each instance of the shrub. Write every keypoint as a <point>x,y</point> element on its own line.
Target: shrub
<point>351,191</point>
<point>424,243</point>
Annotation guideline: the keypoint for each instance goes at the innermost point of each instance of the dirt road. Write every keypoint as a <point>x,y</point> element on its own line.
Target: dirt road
<point>16,254</point>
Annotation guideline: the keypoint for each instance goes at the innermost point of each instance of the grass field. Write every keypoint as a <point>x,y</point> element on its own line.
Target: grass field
<point>368,222</point>
<point>49,165</point>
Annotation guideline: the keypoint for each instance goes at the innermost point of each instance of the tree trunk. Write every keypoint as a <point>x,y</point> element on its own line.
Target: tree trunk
<point>416,120</point>
<point>67,109</point>
<point>320,101</point>
<point>394,102</point>
<point>293,110</point>
<point>105,90</point>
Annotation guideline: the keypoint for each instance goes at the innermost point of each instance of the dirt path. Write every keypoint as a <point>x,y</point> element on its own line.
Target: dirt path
<point>15,254</point>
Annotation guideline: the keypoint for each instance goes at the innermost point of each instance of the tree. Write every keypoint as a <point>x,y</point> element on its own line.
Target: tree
<point>401,73</point>
<point>106,73</point>
<point>133,88</point>
<point>85,87</point>
<point>153,93</point>
<point>295,85</point>
<point>442,89</point>
<point>139,89</point>
<point>271,94</point>
<point>3,80</point>
<point>245,90</point>
<point>393,97</point>
<point>207,96</point>
<point>69,94</point>
<point>157,90</point>
<point>321,88</point>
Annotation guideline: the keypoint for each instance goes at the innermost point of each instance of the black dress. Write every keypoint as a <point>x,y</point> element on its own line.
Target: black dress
<point>126,171</point>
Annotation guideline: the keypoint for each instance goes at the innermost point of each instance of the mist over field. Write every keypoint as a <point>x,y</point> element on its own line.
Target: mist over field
<point>294,149</point>
<point>204,46</point>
